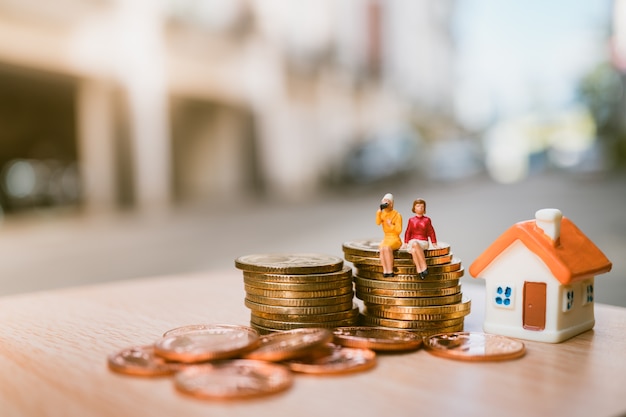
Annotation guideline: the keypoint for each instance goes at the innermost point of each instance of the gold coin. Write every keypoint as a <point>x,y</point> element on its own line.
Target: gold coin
<point>433,292</point>
<point>469,346</point>
<point>439,260</point>
<point>368,260</point>
<point>338,360</point>
<point>234,379</point>
<point>301,302</point>
<point>289,344</point>
<point>382,313</point>
<point>370,299</point>
<point>310,318</point>
<point>266,330</point>
<point>282,310</point>
<point>463,307</point>
<point>432,276</point>
<point>141,361</point>
<point>206,343</point>
<point>403,285</point>
<point>400,262</point>
<point>430,332</point>
<point>410,324</point>
<point>287,286</point>
<point>290,263</point>
<point>344,273</point>
<point>369,248</point>
<point>297,294</point>
<point>289,325</point>
<point>453,265</point>
<point>376,338</point>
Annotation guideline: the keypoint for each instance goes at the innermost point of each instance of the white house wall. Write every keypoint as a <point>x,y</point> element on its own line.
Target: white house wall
<point>581,315</point>
<point>513,267</point>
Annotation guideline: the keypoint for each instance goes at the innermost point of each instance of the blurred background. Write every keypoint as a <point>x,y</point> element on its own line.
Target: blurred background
<point>153,137</point>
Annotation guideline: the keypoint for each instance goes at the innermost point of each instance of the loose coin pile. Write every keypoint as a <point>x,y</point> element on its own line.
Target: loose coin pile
<point>405,301</point>
<point>217,361</point>
<point>299,290</point>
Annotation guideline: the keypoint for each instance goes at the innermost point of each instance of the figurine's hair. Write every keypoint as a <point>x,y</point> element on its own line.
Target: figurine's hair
<point>418,201</point>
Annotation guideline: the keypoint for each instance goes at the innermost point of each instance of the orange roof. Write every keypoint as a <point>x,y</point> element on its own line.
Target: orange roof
<point>575,257</point>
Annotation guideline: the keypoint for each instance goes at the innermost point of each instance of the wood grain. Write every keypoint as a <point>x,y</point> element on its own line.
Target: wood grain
<point>54,345</point>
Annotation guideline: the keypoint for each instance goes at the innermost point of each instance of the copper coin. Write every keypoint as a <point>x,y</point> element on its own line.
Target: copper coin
<point>469,346</point>
<point>337,360</point>
<point>200,327</point>
<point>376,338</point>
<point>290,263</point>
<point>289,344</point>
<point>206,343</point>
<point>140,361</point>
<point>233,379</point>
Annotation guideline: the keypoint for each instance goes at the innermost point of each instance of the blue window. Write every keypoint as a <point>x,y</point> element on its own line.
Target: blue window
<point>588,297</point>
<point>504,296</point>
<point>568,298</point>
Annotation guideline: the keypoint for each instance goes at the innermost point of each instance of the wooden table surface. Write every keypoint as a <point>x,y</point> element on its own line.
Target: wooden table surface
<point>54,345</point>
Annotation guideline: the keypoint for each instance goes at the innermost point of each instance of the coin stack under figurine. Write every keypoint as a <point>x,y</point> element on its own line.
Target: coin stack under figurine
<point>291,291</point>
<point>429,305</point>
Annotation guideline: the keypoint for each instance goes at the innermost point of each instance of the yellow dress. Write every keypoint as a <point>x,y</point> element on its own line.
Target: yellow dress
<point>392,231</point>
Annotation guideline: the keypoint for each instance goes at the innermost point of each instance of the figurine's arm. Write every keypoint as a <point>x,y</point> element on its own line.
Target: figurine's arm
<point>431,233</point>
<point>397,224</point>
<point>379,218</point>
<point>407,232</point>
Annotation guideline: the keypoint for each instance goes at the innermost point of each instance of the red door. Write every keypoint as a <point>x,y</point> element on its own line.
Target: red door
<point>534,314</point>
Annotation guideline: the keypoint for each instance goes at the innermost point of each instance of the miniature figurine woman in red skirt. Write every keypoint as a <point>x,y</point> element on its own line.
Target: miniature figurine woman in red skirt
<point>391,221</point>
<point>417,234</point>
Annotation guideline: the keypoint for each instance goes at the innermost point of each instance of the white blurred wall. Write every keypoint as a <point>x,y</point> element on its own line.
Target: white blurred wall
<point>279,89</point>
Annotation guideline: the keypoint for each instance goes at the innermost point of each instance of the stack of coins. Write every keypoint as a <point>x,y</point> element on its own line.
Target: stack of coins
<point>291,291</point>
<point>405,301</point>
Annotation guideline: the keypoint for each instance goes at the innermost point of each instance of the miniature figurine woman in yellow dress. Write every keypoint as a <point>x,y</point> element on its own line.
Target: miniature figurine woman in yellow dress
<point>391,221</point>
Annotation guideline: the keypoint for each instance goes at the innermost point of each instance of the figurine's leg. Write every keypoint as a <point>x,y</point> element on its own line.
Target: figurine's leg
<point>419,259</point>
<point>386,259</point>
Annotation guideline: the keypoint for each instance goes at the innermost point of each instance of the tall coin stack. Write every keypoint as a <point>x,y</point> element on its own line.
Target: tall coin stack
<point>405,301</point>
<point>291,291</point>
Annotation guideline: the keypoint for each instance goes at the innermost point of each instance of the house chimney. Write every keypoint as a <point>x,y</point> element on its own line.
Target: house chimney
<point>549,220</point>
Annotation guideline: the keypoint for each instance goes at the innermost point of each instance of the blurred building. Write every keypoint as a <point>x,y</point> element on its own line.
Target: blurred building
<point>607,96</point>
<point>145,102</point>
